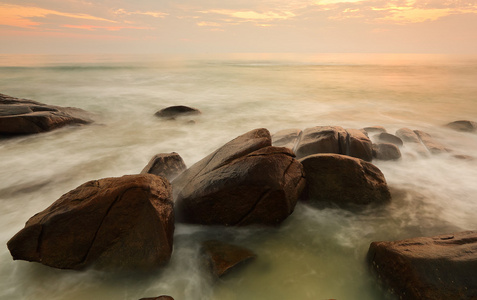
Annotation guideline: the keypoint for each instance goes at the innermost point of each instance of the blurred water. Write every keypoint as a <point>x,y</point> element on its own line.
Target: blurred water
<point>315,254</point>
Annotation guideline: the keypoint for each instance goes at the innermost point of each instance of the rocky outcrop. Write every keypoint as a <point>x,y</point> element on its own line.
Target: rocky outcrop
<point>168,165</point>
<point>334,139</point>
<point>172,112</point>
<point>22,116</point>
<point>463,125</point>
<point>244,182</point>
<point>286,138</point>
<point>343,181</point>
<point>386,151</point>
<point>428,268</point>
<point>223,257</point>
<point>111,223</point>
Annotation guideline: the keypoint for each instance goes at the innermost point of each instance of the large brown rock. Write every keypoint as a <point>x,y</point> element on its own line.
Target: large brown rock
<point>21,116</point>
<point>223,257</point>
<point>167,165</point>
<point>334,139</point>
<point>111,223</point>
<point>343,181</point>
<point>428,268</point>
<point>244,182</point>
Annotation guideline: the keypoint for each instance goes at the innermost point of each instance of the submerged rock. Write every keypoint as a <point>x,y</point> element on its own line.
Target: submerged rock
<point>168,165</point>
<point>244,182</point>
<point>428,268</point>
<point>111,223</point>
<point>431,144</point>
<point>334,139</point>
<point>172,112</point>
<point>386,151</point>
<point>224,257</point>
<point>343,181</point>
<point>463,125</point>
<point>22,116</point>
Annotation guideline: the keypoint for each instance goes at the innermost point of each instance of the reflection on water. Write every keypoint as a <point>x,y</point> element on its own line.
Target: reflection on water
<point>315,254</point>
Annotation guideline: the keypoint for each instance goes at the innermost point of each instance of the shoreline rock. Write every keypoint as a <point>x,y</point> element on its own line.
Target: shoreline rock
<point>173,112</point>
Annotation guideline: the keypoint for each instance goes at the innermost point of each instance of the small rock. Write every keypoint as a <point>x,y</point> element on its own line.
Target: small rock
<point>390,138</point>
<point>463,125</point>
<point>407,135</point>
<point>386,151</point>
<point>223,257</point>
<point>159,298</point>
<point>177,111</point>
<point>431,144</point>
<point>168,165</point>
<point>375,129</point>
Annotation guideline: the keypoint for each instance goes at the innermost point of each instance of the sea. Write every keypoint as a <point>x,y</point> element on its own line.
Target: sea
<point>316,253</point>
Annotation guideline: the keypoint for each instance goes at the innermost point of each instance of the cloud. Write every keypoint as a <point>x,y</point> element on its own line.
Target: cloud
<point>155,14</point>
<point>251,15</point>
<point>21,16</point>
<point>108,28</point>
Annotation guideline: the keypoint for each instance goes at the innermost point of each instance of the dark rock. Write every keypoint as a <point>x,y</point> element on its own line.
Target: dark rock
<point>223,257</point>
<point>334,139</point>
<point>111,223</point>
<point>375,129</point>
<point>428,268</point>
<point>463,125</point>
<point>386,151</point>
<point>286,138</point>
<point>22,116</point>
<point>159,298</point>
<point>177,111</point>
<point>431,144</point>
<point>168,165</point>
<point>390,138</point>
<point>244,182</point>
<point>342,180</point>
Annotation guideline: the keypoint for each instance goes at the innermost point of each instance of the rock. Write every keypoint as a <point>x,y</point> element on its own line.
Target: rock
<point>286,138</point>
<point>223,257</point>
<point>22,116</point>
<point>463,125</point>
<point>432,145</point>
<point>439,268</point>
<point>334,139</point>
<point>343,181</point>
<point>244,182</point>
<point>390,138</point>
<point>177,111</point>
<point>386,151</point>
<point>112,223</point>
<point>159,298</point>
<point>407,135</point>
<point>167,165</point>
<point>375,129</point>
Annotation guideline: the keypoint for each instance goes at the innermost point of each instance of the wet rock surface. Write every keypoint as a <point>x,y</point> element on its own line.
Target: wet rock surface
<point>172,112</point>
<point>168,165</point>
<point>222,257</point>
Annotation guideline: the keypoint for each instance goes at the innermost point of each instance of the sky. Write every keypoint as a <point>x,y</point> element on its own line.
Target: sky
<point>251,26</point>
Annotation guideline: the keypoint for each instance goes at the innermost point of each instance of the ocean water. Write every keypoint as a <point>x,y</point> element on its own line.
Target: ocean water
<point>316,253</point>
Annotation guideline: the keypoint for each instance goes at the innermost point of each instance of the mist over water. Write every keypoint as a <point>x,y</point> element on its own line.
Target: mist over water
<point>316,253</point>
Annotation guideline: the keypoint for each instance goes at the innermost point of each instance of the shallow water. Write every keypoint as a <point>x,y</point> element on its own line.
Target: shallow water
<point>315,254</point>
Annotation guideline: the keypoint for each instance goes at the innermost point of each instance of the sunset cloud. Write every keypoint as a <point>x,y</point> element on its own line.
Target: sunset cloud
<point>155,14</point>
<point>252,15</point>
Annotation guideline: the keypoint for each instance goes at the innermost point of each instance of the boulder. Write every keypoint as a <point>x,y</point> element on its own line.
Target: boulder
<point>343,181</point>
<point>167,165</point>
<point>172,112</point>
<point>334,139</point>
<point>390,138</point>
<point>431,144</point>
<point>244,182</point>
<point>443,267</point>
<point>386,151</point>
<point>111,223</point>
<point>286,138</point>
<point>223,257</point>
<point>463,125</point>
<point>22,116</point>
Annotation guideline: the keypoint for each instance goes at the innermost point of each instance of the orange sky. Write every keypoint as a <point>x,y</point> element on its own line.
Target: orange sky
<point>150,26</point>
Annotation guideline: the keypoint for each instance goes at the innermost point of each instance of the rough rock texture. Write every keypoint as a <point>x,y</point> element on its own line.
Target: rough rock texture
<point>177,111</point>
<point>286,138</point>
<point>111,223</point>
<point>342,180</point>
<point>159,298</point>
<point>431,144</point>
<point>223,257</point>
<point>386,151</point>
<point>390,138</point>
<point>168,165</point>
<point>244,182</point>
<point>21,116</point>
<point>428,268</point>
<point>463,125</point>
<point>334,139</point>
